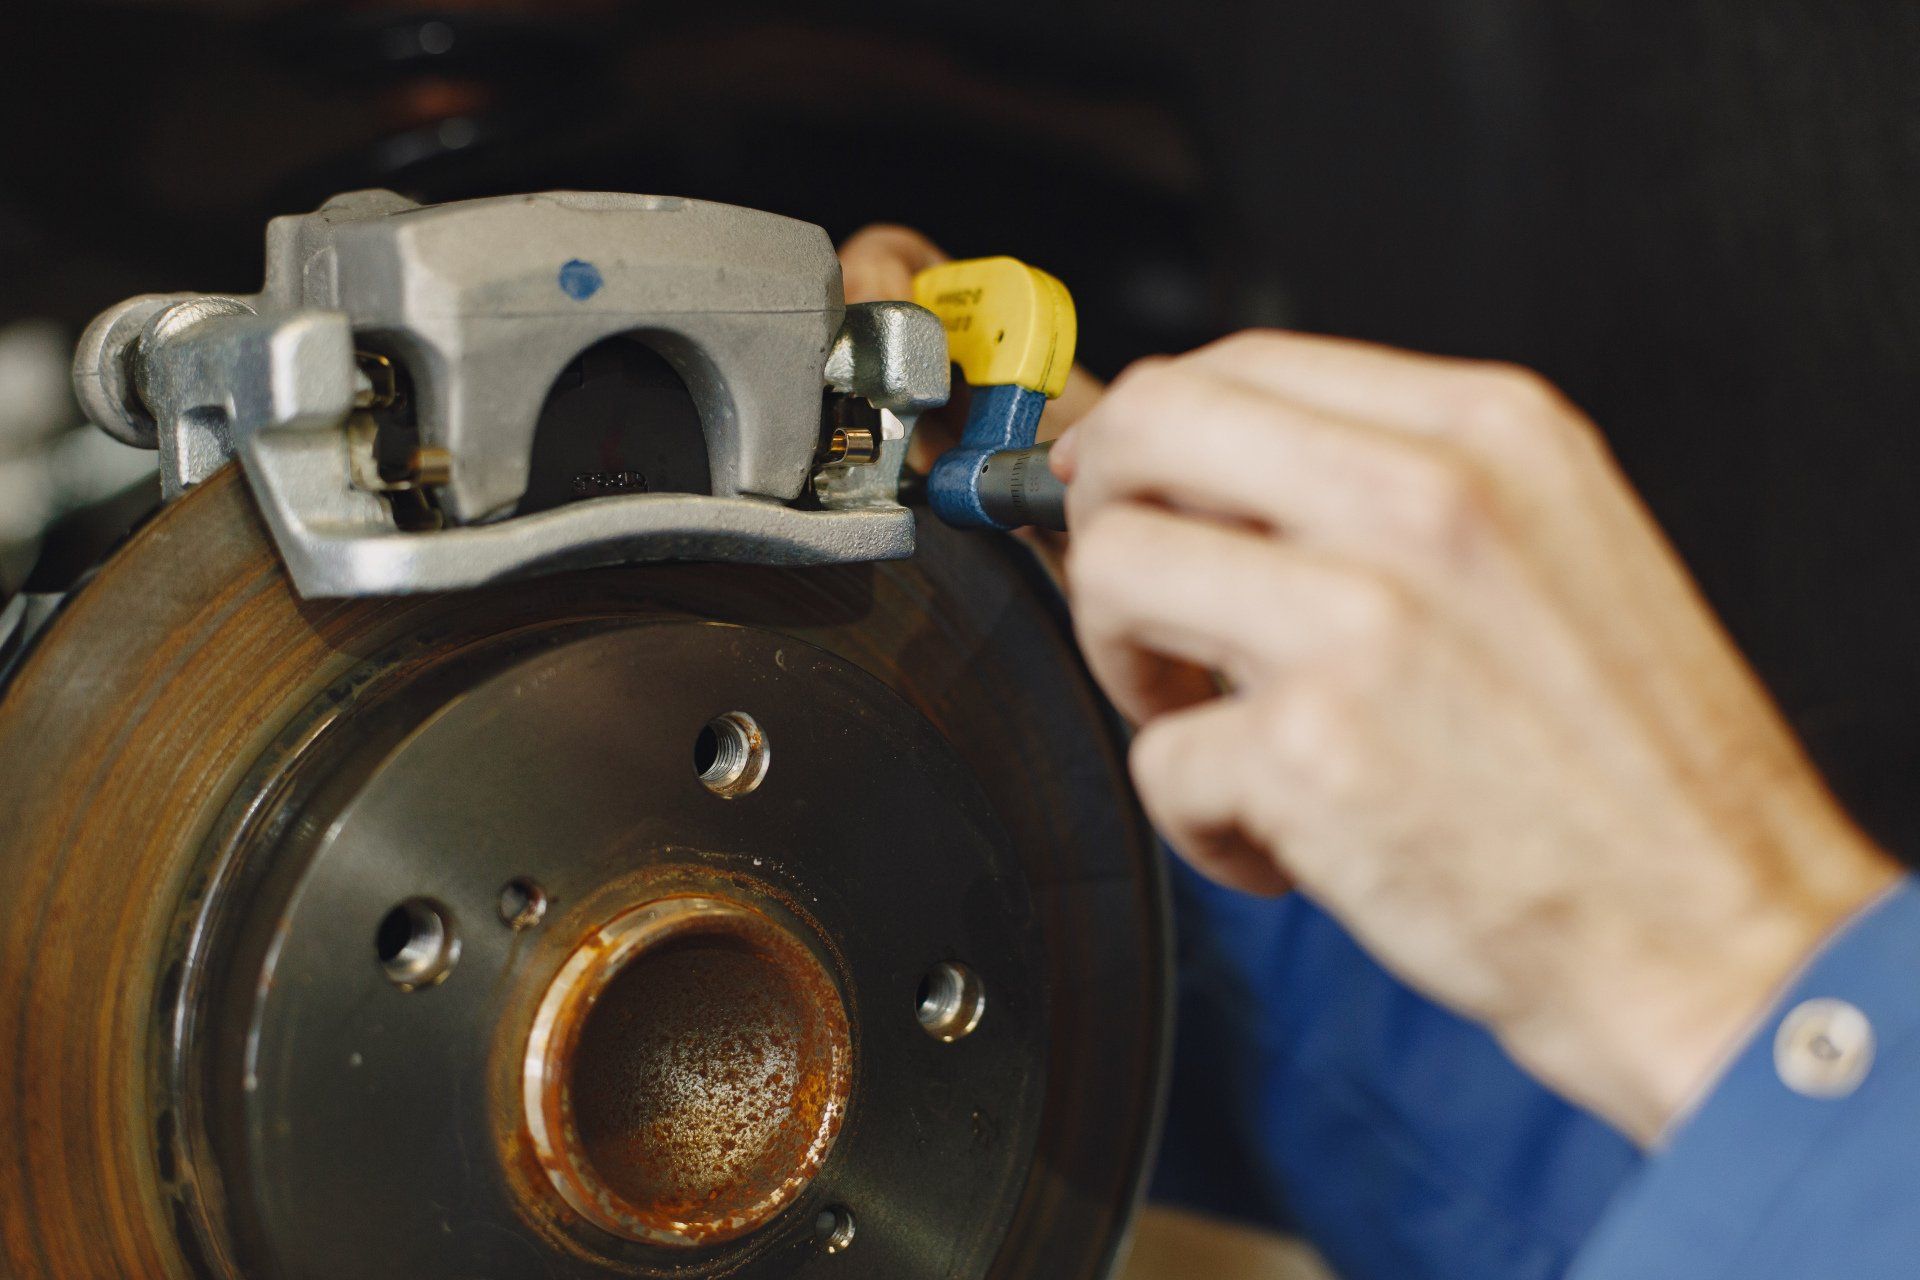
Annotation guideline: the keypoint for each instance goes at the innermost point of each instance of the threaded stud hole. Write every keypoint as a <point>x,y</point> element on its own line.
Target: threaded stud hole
<point>731,755</point>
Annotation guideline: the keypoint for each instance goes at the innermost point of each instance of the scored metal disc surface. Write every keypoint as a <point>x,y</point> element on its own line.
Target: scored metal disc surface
<point>935,719</point>
<point>565,762</point>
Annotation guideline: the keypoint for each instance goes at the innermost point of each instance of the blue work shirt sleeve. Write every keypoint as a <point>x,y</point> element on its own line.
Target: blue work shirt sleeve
<point>1315,1093</point>
<point>1801,1161</point>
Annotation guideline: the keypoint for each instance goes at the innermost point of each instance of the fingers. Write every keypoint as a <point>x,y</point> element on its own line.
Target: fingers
<point>1173,434</point>
<point>1490,408</point>
<point>1160,598</point>
<point>1195,779</point>
<point>1313,646</point>
<point>1508,421</point>
<point>878,263</point>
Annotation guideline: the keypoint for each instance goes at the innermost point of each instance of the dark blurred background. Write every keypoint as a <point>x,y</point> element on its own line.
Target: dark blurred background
<point>1698,216</point>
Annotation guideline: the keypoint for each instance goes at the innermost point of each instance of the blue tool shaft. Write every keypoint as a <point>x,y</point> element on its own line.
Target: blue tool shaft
<point>1001,419</point>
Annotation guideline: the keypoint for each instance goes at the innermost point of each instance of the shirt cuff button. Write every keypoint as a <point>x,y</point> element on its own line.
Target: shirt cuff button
<point>1823,1048</point>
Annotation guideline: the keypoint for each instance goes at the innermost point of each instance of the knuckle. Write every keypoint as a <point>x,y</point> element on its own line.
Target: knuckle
<point>1502,393</point>
<point>1443,501</point>
<point>1382,615</point>
<point>1142,372</point>
<point>1105,553</point>
<point>1131,419</point>
<point>1280,717</point>
<point>1083,566</point>
<point>891,239</point>
<point>1508,404</point>
<point>1151,385</point>
<point>1247,343</point>
<point>1314,729</point>
<point>1152,757</point>
<point>1391,627</point>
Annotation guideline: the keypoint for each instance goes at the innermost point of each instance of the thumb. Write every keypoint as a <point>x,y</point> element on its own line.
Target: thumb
<point>878,263</point>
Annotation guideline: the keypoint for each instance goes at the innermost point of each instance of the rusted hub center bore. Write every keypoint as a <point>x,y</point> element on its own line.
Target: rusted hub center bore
<point>687,1071</point>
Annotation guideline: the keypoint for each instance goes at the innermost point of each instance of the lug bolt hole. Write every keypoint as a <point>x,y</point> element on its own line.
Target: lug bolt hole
<point>833,1228</point>
<point>731,754</point>
<point>523,903</point>
<point>950,1002</point>
<point>416,943</point>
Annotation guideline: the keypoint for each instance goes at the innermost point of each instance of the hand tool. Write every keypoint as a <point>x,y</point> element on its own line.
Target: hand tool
<point>1010,329</point>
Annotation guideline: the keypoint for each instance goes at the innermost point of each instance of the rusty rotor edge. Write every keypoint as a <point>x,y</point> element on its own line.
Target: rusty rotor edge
<point>117,798</point>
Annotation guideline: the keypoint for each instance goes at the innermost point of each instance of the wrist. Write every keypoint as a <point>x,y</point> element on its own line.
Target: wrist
<point>1644,1033</point>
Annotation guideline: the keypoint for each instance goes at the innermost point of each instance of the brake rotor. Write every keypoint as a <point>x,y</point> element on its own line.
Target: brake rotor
<point>678,920</point>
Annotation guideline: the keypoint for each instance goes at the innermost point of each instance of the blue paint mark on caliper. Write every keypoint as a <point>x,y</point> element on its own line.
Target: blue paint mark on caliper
<point>580,279</point>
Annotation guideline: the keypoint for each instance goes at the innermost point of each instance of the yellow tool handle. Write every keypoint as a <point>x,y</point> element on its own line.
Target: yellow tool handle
<point>1008,324</point>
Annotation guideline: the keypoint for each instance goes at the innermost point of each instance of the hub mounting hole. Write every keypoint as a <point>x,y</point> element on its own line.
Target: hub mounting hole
<point>416,943</point>
<point>833,1228</point>
<point>523,903</point>
<point>731,754</point>
<point>951,1001</point>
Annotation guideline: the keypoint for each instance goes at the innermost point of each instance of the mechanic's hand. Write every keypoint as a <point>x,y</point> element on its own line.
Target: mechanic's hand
<point>877,264</point>
<point>1473,704</point>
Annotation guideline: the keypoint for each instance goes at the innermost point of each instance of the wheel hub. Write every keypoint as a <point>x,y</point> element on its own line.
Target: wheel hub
<point>687,1071</point>
<point>711,1034</point>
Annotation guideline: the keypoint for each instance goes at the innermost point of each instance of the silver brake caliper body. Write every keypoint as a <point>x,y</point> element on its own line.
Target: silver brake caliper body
<point>484,302</point>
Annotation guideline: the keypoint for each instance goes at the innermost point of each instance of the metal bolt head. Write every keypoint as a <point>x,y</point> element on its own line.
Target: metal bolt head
<point>103,371</point>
